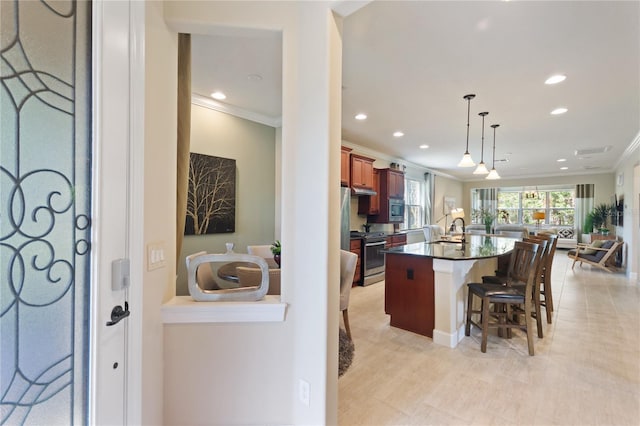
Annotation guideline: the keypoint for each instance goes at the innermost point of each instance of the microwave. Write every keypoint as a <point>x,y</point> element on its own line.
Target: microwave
<point>396,210</point>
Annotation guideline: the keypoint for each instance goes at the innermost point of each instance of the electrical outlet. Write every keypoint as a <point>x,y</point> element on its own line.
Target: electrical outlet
<point>303,390</point>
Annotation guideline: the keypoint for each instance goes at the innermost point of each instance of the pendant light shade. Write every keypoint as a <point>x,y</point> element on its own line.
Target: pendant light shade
<point>467,161</point>
<point>482,169</point>
<point>493,174</point>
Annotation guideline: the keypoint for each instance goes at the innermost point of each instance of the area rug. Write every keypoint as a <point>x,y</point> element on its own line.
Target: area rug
<point>346,350</point>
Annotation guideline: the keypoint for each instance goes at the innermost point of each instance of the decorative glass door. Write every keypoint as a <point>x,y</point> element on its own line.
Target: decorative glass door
<point>45,205</point>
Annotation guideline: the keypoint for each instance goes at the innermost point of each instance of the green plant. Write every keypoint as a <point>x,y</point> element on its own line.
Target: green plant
<point>484,216</point>
<point>588,223</point>
<point>275,247</point>
<point>600,214</point>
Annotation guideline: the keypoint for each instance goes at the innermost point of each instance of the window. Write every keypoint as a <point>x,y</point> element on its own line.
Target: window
<point>414,204</point>
<point>517,205</point>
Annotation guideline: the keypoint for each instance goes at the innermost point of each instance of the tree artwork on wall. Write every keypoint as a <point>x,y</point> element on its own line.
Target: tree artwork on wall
<point>211,201</point>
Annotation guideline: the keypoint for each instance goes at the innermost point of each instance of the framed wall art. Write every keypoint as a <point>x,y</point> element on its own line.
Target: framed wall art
<point>211,201</point>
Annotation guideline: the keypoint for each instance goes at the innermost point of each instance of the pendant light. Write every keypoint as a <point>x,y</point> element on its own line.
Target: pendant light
<point>482,169</point>
<point>467,161</point>
<point>493,174</point>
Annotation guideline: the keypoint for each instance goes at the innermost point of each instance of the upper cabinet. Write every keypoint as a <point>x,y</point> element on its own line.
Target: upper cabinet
<point>361,171</point>
<point>370,204</point>
<point>345,166</point>
<point>391,183</point>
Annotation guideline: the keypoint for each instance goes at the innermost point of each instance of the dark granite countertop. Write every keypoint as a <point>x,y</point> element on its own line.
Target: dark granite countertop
<point>476,247</point>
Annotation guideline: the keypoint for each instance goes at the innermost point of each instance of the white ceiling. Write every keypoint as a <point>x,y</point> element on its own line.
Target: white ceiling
<point>408,64</point>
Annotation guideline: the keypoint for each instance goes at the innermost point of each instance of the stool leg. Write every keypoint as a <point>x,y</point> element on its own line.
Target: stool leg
<point>467,327</point>
<point>485,324</point>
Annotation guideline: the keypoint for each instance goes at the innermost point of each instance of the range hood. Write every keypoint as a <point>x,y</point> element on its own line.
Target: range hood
<point>362,191</point>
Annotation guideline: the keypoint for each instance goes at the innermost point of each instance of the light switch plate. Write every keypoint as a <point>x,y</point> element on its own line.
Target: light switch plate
<point>155,255</point>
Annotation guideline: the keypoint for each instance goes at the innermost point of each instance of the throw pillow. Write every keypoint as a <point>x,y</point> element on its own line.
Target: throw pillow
<point>595,244</point>
<point>565,233</point>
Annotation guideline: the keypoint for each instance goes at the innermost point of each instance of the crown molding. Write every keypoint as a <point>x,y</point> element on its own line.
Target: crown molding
<point>235,111</point>
<point>635,144</point>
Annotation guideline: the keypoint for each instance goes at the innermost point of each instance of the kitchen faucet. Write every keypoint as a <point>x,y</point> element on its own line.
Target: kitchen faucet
<point>453,228</point>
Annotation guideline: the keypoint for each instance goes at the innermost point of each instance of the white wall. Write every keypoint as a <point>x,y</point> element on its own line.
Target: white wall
<point>628,172</point>
<point>257,359</point>
<point>159,199</point>
<point>252,145</point>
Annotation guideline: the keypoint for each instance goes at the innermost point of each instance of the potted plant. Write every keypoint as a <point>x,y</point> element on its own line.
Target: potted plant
<point>587,229</point>
<point>600,214</point>
<point>275,249</point>
<point>486,217</point>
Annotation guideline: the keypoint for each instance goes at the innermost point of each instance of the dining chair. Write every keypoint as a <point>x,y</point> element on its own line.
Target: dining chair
<point>515,300</point>
<point>204,273</point>
<point>260,250</point>
<point>348,263</point>
<point>248,277</point>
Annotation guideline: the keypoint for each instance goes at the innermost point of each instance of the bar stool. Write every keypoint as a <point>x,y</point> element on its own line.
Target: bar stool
<point>513,300</point>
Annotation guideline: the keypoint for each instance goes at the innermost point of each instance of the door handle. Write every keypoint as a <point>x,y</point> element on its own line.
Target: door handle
<point>117,314</point>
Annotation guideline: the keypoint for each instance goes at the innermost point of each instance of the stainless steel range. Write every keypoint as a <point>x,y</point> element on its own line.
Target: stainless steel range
<point>372,258</point>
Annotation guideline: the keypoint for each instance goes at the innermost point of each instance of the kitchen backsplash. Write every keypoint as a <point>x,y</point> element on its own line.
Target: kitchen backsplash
<point>357,221</point>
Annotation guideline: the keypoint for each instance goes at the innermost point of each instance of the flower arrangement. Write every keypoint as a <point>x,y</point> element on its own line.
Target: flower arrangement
<point>484,216</point>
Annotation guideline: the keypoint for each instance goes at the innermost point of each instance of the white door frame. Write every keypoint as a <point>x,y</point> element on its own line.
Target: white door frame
<point>118,122</point>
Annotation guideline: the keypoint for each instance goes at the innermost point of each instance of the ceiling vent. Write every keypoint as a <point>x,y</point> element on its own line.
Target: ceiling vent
<point>591,151</point>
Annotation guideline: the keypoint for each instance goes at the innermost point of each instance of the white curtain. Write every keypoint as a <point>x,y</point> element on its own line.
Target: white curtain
<point>584,205</point>
<point>428,198</point>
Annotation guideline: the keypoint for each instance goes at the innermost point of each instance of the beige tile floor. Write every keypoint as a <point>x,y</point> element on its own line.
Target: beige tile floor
<point>586,370</point>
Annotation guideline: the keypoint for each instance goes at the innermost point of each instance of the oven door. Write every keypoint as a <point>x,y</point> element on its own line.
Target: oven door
<point>373,258</point>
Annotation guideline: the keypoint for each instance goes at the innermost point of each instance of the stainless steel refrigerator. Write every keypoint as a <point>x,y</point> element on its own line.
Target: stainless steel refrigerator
<point>345,217</point>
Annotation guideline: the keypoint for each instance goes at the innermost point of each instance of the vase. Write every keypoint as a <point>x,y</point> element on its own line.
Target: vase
<point>276,258</point>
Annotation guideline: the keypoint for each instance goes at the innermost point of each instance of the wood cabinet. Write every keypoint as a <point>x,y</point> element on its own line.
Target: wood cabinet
<point>345,166</point>
<point>603,237</point>
<point>409,296</point>
<point>390,187</point>
<point>356,247</point>
<point>370,204</point>
<point>361,171</point>
<point>392,183</point>
<point>395,240</point>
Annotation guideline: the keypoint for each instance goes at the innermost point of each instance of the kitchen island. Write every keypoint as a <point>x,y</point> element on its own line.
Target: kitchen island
<point>425,283</point>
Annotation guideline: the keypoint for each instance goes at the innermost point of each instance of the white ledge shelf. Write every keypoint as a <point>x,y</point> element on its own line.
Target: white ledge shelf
<point>183,309</point>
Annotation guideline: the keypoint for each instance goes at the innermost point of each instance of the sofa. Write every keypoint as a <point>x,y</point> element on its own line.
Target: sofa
<point>567,238</point>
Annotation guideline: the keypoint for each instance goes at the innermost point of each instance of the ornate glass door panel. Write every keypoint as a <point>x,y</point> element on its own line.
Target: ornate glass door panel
<point>45,107</point>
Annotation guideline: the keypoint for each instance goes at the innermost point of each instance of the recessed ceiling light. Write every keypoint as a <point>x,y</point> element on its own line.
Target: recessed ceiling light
<point>218,95</point>
<point>361,116</point>
<point>555,79</point>
<point>559,111</point>
<point>424,146</point>
<point>398,134</point>
<point>561,160</point>
<point>564,168</point>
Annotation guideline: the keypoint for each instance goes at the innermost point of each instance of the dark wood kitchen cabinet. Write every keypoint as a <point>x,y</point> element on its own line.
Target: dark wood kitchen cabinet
<point>409,293</point>
<point>361,171</point>
<point>370,204</point>
<point>356,247</point>
<point>345,166</point>
<point>390,187</point>
<point>395,240</point>
<point>392,183</point>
